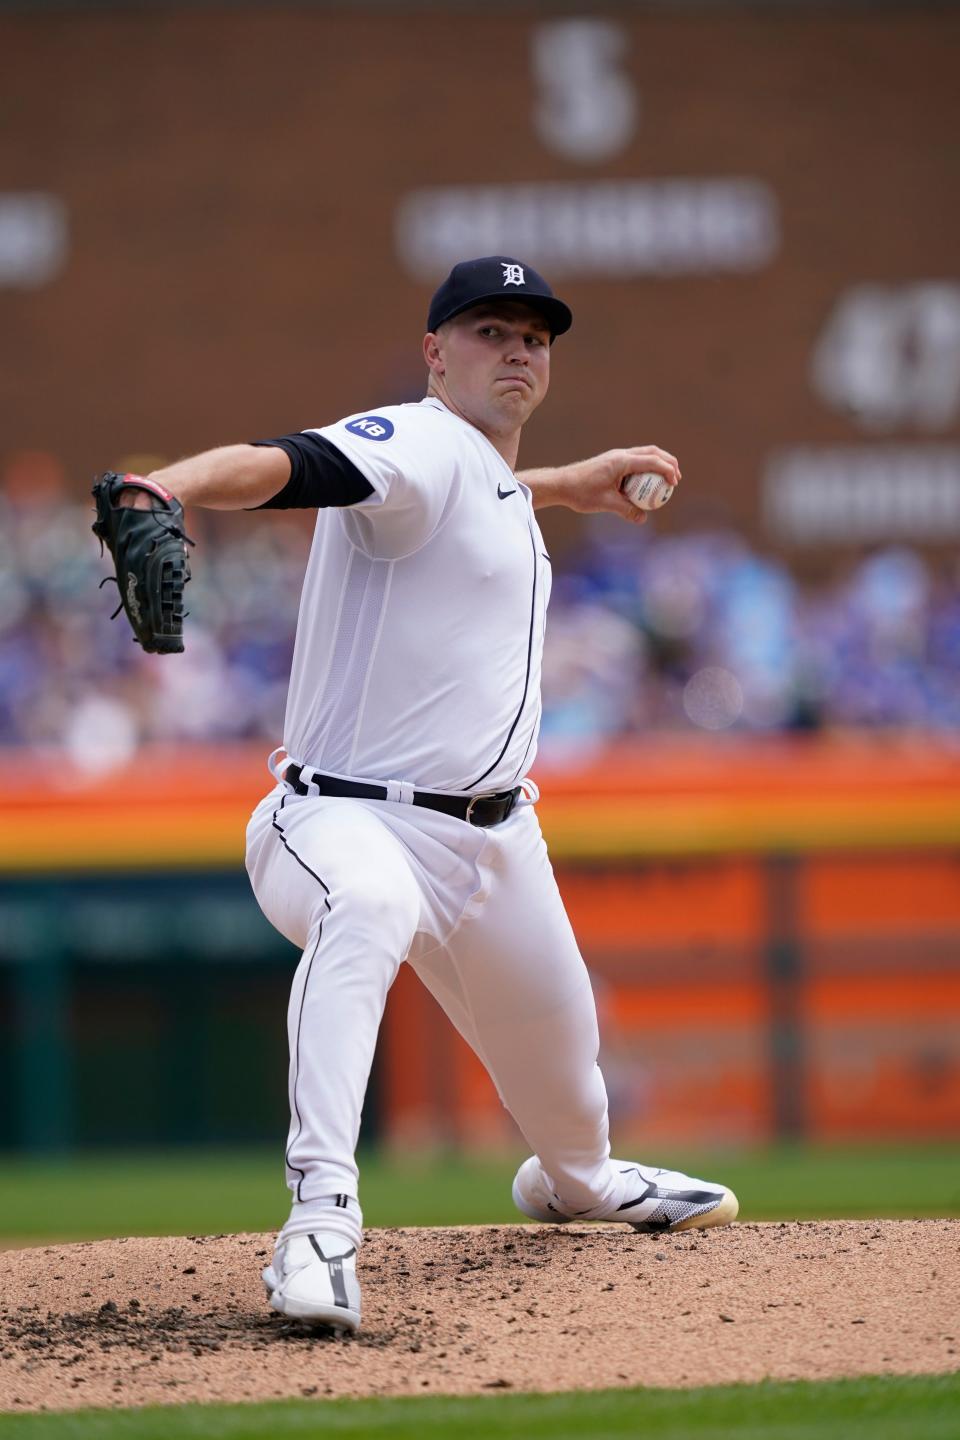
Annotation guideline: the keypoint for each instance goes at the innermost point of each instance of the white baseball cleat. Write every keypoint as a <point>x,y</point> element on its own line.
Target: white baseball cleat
<point>655,1201</point>
<point>314,1278</point>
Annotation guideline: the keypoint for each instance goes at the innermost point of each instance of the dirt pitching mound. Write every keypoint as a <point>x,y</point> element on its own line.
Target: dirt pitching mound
<point>480,1309</point>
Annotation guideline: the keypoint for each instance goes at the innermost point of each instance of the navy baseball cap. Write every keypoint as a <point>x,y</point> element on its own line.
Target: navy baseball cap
<point>496,277</point>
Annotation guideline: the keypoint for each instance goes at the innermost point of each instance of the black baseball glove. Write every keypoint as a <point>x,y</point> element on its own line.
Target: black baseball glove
<point>149,549</point>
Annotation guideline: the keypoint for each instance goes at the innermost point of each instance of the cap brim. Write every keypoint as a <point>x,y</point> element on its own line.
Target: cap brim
<point>558,316</point>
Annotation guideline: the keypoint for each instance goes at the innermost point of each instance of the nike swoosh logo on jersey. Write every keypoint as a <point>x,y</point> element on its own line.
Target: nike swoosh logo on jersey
<point>502,494</point>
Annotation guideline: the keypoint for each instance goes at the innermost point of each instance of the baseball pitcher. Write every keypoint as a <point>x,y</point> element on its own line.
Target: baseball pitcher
<point>402,825</point>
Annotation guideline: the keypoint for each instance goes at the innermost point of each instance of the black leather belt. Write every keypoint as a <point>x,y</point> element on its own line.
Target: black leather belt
<point>482,810</point>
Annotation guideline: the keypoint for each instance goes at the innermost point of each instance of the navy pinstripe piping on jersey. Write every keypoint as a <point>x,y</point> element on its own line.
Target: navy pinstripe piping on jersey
<point>534,728</point>
<point>523,760</point>
<point>526,679</point>
<point>306,981</point>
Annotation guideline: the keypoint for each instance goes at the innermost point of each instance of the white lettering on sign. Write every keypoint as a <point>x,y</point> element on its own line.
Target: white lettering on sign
<point>586,108</point>
<point>604,227</point>
<point>34,238</point>
<point>889,356</point>
<point>858,494</point>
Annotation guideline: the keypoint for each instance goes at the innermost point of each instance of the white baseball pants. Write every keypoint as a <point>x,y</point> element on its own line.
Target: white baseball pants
<point>360,886</point>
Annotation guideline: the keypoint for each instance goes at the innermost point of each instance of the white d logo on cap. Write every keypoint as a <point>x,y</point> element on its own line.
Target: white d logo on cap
<point>512,274</point>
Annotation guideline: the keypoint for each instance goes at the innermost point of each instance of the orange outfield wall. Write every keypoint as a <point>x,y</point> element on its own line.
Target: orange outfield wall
<point>773,928</point>
<point>693,1009</point>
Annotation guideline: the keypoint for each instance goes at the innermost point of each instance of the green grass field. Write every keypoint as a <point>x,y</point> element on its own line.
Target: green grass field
<point>917,1408</point>
<point>212,1192</point>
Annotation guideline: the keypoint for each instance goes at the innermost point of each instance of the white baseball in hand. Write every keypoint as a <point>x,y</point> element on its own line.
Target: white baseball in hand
<point>647,491</point>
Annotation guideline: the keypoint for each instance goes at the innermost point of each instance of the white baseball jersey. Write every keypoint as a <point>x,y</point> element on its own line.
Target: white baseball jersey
<point>420,633</point>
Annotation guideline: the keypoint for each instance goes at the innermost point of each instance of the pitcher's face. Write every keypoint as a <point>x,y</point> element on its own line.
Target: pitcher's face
<point>492,364</point>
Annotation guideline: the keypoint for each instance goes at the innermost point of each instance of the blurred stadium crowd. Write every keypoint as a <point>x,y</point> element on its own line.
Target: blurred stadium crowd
<point>647,632</point>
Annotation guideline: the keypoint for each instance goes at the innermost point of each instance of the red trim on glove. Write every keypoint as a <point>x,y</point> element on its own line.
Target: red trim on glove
<point>144,484</point>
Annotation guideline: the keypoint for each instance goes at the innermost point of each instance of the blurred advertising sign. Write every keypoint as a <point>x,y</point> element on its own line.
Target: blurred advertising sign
<point>752,212</point>
<point>889,356</point>
<point>614,228</point>
<point>34,238</point>
<point>859,494</point>
<point>587,106</point>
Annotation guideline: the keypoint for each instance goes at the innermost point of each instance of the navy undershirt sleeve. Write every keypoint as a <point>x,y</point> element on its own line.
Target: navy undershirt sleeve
<point>320,475</point>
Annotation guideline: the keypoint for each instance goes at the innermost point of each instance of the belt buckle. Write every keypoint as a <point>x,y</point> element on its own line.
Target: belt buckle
<point>475,800</point>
